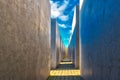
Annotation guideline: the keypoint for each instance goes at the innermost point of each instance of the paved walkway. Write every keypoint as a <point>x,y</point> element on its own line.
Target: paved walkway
<point>65,71</point>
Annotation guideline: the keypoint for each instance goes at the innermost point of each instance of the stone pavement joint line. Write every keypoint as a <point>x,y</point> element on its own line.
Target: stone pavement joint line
<point>65,71</point>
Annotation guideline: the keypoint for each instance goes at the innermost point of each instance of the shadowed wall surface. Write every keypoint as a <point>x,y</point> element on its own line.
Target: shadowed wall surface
<point>53,44</point>
<point>100,36</point>
<point>57,49</point>
<point>24,39</point>
<point>74,45</point>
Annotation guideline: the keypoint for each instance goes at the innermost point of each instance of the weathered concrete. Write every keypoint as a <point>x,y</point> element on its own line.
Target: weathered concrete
<point>62,50</point>
<point>100,37</point>
<point>77,54</point>
<point>24,39</point>
<point>53,44</point>
<point>74,46</point>
<point>58,46</point>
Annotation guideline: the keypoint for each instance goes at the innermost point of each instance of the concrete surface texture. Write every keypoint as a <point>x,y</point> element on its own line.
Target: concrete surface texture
<point>77,62</point>
<point>74,51</point>
<point>62,50</point>
<point>53,44</point>
<point>72,47</point>
<point>57,49</point>
<point>100,37</point>
<point>58,42</point>
<point>24,39</point>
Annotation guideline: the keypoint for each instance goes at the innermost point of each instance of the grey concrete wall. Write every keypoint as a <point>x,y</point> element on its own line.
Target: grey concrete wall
<point>57,49</point>
<point>77,47</point>
<point>53,44</point>
<point>58,42</point>
<point>100,37</point>
<point>62,50</point>
<point>24,39</point>
<point>74,46</point>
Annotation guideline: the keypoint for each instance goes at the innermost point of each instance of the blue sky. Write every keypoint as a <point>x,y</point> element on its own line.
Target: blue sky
<point>63,11</point>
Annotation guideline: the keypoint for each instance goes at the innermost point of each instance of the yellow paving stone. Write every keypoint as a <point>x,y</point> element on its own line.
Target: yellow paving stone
<point>65,71</point>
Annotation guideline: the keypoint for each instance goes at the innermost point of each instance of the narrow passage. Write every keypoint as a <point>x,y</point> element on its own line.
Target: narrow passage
<point>65,71</point>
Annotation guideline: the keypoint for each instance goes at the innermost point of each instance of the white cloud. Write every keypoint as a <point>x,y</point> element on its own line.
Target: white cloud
<point>57,11</point>
<point>54,11</point>
<point>64,5</point>
<point>62,25</point>
<point>64,17</point>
